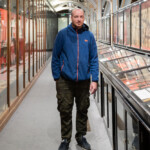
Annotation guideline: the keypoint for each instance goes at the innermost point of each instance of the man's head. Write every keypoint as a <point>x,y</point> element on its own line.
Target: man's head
<point>77,18</point>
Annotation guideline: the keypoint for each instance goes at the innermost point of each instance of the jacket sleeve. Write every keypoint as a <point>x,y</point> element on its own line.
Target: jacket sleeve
<point>94,65</point>
<point>55,64</point>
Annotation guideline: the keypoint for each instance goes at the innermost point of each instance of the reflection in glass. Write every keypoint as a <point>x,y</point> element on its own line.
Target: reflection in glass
<point>126,63</point>
<point>13,50</point>
<point>3,56</point>
<point>21,45</point>
<point>132,133</point>
<point>136,80</point>
<point>120,125</point>
<point>120,28</point>
<point>135,27</point>
<point>145,25</point>
<point>127,27</point>
<point>115,29</point>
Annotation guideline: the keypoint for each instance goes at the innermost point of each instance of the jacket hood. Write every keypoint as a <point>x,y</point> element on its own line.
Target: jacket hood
<point>84,27</point>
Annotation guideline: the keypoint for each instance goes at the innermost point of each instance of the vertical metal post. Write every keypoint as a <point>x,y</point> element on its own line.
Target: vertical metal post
<point>117,27</point>
<point>36,40</point>
<point>17,47</point>
<point>140,25</point>
<point>29,41</point>
<point>42,33</point>
<point>8,53</point>
<point>110,29</point>
<point>126,129</point>
<point>130,27</point>
<point>45,32</point>
<point>41,29</point>
<point>24,29</point>
<point>123,27</point>
<point>33,36</point>
<point>39,33</point>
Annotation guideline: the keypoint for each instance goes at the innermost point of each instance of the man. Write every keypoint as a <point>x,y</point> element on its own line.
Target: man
<point>74,62</point>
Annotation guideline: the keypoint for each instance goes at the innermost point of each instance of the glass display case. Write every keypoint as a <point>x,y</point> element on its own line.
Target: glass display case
<point>126,101</point>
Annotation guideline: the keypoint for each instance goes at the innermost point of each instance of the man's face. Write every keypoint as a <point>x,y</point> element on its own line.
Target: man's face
<point>77,18</point>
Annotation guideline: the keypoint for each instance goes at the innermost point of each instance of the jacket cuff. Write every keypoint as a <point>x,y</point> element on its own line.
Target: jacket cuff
<point>56,79</point>
<point>95,81</point>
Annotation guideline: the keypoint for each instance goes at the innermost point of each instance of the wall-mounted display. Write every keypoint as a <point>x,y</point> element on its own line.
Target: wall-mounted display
<point>120,28</point>
<point>115,35</point>
<point>127,27</point>
<point>145,25</point>
<point>135,40</point>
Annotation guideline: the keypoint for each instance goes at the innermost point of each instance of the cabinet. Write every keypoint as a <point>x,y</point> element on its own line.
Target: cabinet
<point>124,97</point>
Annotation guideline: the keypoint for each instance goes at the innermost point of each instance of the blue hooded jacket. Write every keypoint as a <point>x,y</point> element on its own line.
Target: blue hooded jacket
<point>75,55</point>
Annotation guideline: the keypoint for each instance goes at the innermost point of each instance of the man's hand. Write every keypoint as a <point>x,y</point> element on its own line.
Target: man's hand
<point>93,87</point>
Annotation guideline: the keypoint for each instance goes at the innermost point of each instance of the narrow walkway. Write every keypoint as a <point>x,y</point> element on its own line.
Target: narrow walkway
<point>36,124</point>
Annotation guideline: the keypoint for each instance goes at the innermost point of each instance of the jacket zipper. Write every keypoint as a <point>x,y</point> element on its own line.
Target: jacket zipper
<point>77,53</point>
<point>62,65</point>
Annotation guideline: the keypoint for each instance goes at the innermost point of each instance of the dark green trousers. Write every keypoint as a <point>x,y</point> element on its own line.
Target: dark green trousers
<point>67,91</point>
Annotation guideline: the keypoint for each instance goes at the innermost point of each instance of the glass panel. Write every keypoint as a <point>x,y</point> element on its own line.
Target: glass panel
<point>105,102</point>
<point>127,27</point>
<point>120,28</point>
<point>103,31</point>
<point>3,56</point>
<point>100,30</point>
<point>145,25</point>
<point>115,29</point>
<point>108,30</point>
<point>21,45</point>
<point>120,124</point>
<point>132,133</point>
<point>13,50</point>
<point>62,23</point>
<point>110,110</point>
<point>135,27</point>
<point>136,80</point>
<point>26,42</point>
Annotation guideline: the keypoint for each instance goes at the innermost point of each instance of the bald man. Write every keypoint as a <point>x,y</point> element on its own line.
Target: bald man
<point>75,70</point>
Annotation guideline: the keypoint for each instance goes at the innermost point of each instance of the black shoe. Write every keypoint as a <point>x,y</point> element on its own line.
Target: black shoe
<point>83,143</point>
<point>64,145</point>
